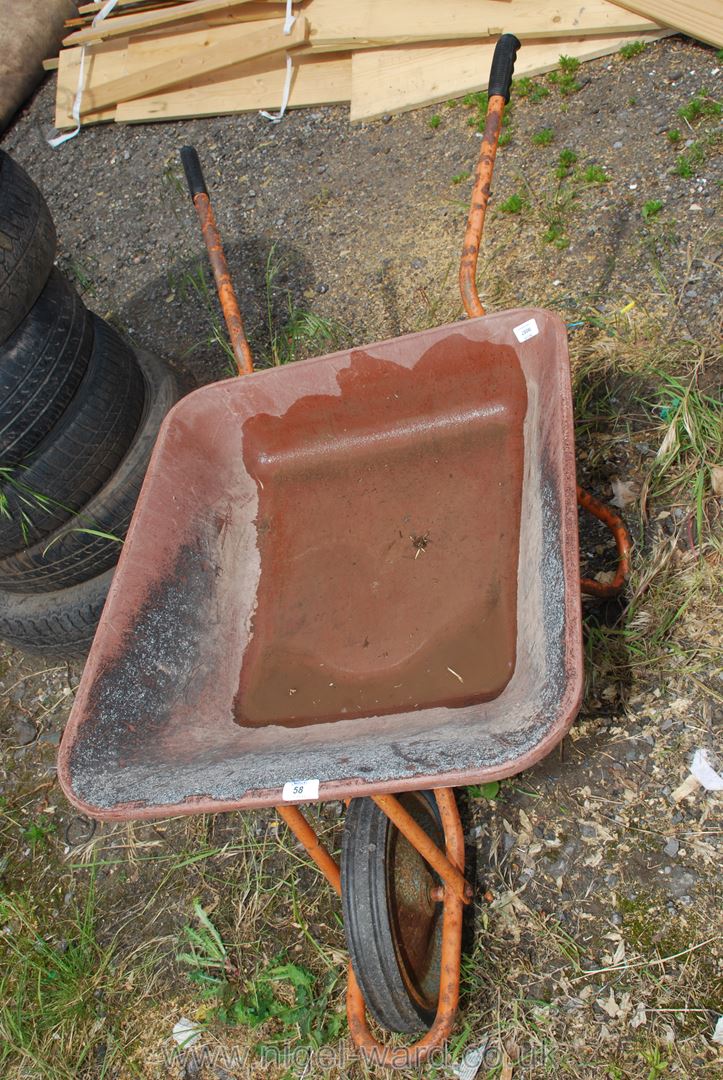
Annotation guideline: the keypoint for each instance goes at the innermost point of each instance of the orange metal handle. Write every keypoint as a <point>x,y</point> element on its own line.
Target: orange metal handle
<point>411,1057</point>
<point>214,248</point>
<point>503,64</point>
<point>622,538</point>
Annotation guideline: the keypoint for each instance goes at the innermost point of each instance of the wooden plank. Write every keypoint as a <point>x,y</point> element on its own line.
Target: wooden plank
<point>238,45</point>
<point>145,20</point>
<point>92,9</point>
<point>375,23</point>
<point>248,11</point>
<point>109,58</point>
<point>318,80</point>
<point>396,80</point>
<point>51,64</point>
<point>702,19</point>
<point>120,57</point>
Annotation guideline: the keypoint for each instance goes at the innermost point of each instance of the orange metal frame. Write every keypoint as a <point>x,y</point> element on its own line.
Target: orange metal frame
<point>454,893</point>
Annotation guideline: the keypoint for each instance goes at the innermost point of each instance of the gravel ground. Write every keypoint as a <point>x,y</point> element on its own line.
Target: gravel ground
<point>592,948</point>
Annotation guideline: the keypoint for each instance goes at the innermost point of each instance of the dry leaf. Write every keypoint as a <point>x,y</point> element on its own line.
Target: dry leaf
<point>716,479</point>
<point>625,492</point>
<point>639,1017</point>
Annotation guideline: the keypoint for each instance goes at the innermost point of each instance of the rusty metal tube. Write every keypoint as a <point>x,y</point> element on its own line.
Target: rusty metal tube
<point>622,539</point>
<point>304,833</point>
<point>411,1057</point>
<point>214,248</point>
<point>426,847</point>
<point>503,63</point>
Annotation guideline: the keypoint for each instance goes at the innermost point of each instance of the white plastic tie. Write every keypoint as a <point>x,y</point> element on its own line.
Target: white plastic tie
<point>288,26</point>
<point>75,111</point>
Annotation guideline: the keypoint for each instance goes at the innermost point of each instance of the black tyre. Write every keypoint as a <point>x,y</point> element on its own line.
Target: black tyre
<point>82,451</point>
<point>393,927</point>
<point>27,244</point>
<point>58,624</point>
<point>72,554</point>
<point>41,366</point>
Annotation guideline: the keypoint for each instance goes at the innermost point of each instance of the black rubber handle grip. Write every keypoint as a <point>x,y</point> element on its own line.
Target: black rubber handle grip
<point>503,66</point>
<point>194,173</point>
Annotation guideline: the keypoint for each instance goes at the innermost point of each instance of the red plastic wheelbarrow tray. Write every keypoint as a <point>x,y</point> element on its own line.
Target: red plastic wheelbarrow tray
<point>360,569</point>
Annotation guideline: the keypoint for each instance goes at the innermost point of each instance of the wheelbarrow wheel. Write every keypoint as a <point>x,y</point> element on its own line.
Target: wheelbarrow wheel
<point>393,926</point>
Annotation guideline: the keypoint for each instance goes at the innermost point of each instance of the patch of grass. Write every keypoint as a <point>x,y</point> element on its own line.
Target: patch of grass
<point>555,235</point>
<point>594,174</point>
<point>651,208</point>
<point>62,995</point>
<point>569,64</point>
<point>633,48</point>
<point>37,833</point>
<point>544,137</point>
<point>687,164</point>
<point>484,791</point>
<point>302,333</point>
<point>564,79</point>
<point>478,103</point>
<point>284,997</point>
<point>435,121</point>
<point>459,178</point>
<point>193,283</point>
<point>514,205</point>
<point>700,107</point>
<point>525,87</point>
<point>632,100</point>
<point>505,138</point>
<point>565,163</point>
<point>673,136</point>
<point>25,498</point>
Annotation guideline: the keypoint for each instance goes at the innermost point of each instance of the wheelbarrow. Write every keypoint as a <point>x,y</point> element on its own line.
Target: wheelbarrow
<point>353,578</point>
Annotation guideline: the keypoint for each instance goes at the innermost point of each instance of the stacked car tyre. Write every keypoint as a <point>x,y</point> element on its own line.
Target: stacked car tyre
<point>79,414</point>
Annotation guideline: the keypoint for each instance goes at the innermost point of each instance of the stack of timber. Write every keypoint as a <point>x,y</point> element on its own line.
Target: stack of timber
<point>172,59</point>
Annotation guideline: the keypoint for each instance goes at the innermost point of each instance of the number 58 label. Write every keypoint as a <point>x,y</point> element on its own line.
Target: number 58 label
<point>300,790</point>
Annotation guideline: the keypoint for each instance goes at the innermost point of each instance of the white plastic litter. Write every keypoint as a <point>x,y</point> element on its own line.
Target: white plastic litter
<point>186,1032</point>
<point>702,769</point>
<point>718,1033</point>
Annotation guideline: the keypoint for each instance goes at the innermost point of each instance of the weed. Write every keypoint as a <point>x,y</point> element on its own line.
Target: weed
<point>24,498</point>
<point>555,235</point>
<point>544,137</point>
<point>505,138</point>
<point>594,174</point>
<point>673,136</point>
<point>303,333</point>
<point>651,208</point>
<point>478,102</point>
<point>700,107</point>
<point>632,100</point>
<point>569,64</point>
<point>484,791</point>
<point>193,282</point>
<point>37,833</point>
<point>284,993</point>
<point>633,48</point>
<point>688,163</point>
<point>514,205</point>
<point>655,1061</point>
<point>565,163</point>
<point>460,178</point>
<point>564,79</point>
<point>435,121</point>
<point>526,88</point>
<point>61,995</point>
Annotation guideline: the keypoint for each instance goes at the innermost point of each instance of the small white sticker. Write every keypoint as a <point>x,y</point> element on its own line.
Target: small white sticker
<point>300,790</point>
<point>526,330</point>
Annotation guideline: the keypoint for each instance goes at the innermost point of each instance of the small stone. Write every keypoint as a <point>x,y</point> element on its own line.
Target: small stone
<point>671,848</point>
<point>386,119</point>
<point>25,732</point>
<point>617,145</point>
<point>322,288</point>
